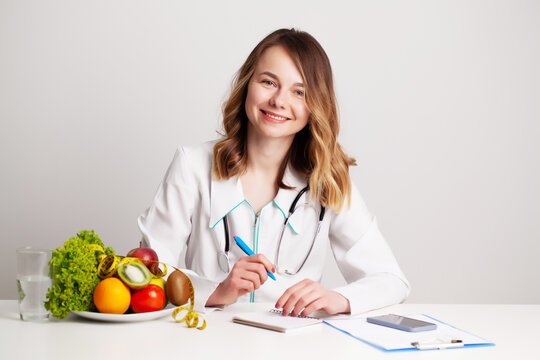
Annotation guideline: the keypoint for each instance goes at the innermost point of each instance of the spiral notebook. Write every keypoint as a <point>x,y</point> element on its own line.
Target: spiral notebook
<point>273,320</point>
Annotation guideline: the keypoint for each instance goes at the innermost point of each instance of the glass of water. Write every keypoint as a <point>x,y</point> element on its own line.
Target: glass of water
<point>33,280</point>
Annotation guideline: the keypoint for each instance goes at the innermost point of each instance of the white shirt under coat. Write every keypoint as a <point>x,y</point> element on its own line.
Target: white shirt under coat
<point>187,213</point>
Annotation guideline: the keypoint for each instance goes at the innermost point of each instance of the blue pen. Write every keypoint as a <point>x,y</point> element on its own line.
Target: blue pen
<point>249,252</point>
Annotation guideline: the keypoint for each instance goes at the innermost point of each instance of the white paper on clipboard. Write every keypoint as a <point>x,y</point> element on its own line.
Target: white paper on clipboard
<point>389,339</point>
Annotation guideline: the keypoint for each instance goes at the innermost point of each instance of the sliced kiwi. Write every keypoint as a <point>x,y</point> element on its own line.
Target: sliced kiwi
<point>135,275</point>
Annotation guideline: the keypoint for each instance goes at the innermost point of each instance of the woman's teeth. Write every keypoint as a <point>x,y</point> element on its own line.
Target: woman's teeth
<point>275,116</point>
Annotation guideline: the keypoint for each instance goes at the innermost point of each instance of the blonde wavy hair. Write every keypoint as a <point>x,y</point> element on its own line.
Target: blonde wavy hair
<point>315,152</point>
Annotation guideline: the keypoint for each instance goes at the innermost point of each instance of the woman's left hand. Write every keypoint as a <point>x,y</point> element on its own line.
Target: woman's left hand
<point>308,296</point>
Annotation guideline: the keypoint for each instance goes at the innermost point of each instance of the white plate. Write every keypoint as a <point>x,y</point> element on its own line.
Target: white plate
<point>153,315</point>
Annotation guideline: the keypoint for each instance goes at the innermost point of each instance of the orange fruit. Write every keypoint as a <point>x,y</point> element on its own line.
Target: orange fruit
<point>112,296</point>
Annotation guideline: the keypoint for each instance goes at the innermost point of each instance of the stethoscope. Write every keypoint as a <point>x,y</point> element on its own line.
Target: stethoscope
<point>223,256</point>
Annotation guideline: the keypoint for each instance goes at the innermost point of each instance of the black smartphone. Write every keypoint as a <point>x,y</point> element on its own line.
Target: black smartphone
<point>402,323</point>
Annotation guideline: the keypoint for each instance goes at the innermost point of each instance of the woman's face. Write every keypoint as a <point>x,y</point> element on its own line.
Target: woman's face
<point>275,103</point>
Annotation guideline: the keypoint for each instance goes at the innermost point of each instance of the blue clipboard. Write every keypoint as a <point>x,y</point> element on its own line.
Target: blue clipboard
<point>387,339</point>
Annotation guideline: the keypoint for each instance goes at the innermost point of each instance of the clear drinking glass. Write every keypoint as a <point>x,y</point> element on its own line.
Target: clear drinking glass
<point>33,280</point>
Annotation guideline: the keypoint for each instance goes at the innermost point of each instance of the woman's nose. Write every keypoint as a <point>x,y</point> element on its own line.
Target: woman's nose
<point>277,99</point>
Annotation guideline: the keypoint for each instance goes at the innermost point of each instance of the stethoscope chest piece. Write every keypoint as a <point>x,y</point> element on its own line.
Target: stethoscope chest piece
<point>223,261</point>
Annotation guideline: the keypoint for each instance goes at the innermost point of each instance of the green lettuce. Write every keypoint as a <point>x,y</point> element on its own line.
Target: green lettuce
<point>74,274</point>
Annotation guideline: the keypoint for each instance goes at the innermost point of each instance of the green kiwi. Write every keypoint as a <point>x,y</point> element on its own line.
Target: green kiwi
<point>135,275</point>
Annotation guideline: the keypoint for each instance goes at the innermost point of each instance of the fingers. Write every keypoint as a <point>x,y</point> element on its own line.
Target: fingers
<point>309,296</point>
<point>304,301</point>
<point>248,268</point>
<point>254,266</point>
<point>291,291</point>
<point>247,275</point>
<point>241,286</point>
<point>298,296</point>
<point>255,273</point>
<point>260,258</point>
<point>317,304</point>
<point>333,303</point>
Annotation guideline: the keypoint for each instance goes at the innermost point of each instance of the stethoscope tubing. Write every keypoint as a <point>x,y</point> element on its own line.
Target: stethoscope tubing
<point>224,254</point>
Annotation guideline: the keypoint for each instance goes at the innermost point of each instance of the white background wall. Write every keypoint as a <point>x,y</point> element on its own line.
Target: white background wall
<point>439,104</point>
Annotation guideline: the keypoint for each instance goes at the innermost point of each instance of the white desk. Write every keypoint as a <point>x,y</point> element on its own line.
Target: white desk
<point>514,328</point>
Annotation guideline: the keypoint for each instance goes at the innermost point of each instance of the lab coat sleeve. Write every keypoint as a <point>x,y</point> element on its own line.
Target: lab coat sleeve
<point>374,278</point>
<point>166,224</point>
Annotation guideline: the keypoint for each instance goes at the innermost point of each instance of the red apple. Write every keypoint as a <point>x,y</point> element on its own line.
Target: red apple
<point>147,255</point>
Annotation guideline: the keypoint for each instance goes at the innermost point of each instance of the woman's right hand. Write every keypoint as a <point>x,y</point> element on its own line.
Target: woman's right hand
<point>247,275</point>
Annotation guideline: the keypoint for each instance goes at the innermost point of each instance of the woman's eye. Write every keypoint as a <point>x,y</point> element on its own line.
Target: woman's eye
<point>300,93</point>
<point>268,82</point>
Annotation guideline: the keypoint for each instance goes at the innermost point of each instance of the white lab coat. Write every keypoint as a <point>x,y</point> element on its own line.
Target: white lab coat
<point>188,211</point>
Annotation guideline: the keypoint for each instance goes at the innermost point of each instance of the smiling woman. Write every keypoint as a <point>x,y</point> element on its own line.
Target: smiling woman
<point>279,180</point>
<point>275,104</point>
<point>305,64</point>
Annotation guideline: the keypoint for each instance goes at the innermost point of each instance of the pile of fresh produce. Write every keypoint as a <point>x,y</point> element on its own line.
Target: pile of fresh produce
<point>87,276</point>
<point>74,274</point>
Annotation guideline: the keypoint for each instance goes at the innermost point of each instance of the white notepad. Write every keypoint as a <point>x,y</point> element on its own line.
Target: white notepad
<point>273,320</point>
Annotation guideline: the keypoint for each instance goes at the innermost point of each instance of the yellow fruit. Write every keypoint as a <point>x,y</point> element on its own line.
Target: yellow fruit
<point>112,296</point>
<point>159,282</point>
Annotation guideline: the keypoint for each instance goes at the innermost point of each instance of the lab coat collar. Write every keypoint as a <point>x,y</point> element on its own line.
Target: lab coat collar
<point>227,195</point>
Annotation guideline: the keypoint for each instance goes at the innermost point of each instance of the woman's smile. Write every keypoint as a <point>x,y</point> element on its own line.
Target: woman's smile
<point>273,117</point>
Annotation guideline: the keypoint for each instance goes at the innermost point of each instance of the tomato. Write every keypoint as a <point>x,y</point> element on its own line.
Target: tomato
<point>151,298</point>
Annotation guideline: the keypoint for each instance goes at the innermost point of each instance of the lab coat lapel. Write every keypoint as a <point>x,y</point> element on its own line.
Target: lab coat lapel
<point>285,198</point>
<point>225,196</point>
